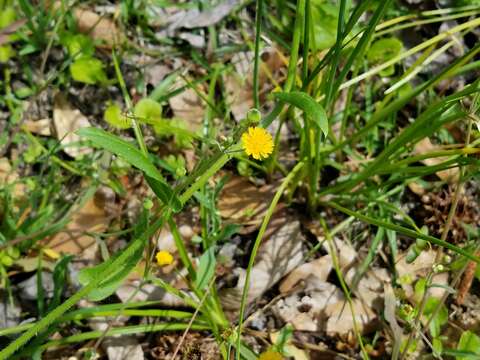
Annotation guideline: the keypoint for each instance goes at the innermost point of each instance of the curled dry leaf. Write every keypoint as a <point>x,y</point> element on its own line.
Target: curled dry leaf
<point>67,120</point>
<point>40,127</point>
<point>279,255</point>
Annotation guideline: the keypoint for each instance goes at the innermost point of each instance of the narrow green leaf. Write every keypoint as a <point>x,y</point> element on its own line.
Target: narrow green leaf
<point>206,268</point>
<point>112,282</point>
<point>132,155</point>
<point>102,139</point>
<point>108,285</point>
<point>59,277</point>
<point>305,102</point>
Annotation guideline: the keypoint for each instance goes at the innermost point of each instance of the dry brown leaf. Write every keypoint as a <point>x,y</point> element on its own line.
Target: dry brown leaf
<point>340,318</point>
<point>123,347</point>
<point>67,120</point>
<point>195,18</point>
<point>425,146</point>
<point>239,95</point>
<point>370,288</point>
<point>243,203</point>
<point>390,316</point>
<point>345,252</point>
<point>73,240</point>
<point>8,176</point>
<point>239,86</point>
<point>188,106</point>
<point>279,255</point>
<point>40,127</point>
<point>304,309</point>
<point>98,27</point>
<point>320,268</point>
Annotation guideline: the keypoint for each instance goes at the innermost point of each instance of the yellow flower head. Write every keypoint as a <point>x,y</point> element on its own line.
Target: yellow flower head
<point>164,258</point>
<point>257,142</point>
<point>270,355</point>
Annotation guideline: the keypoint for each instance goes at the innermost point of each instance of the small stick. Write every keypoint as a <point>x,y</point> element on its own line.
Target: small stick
<point>466,282</point>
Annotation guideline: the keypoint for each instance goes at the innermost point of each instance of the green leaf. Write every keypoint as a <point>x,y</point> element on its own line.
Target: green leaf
<point>305,102</point>
<point>131,154</point>
<point>59,280</point>
<point>88,70</point>
<point>325,19</point>
<point>164,193</point>
<point>113,115</point>
<point>148,111</point>
<point>383,50</point>
<point>7,16</point>
<point>440,318</point>
<point>78,45</point>
<point>108,286</point>
<point>206,268</point>
<point>469,342</point>
<point>6,53</point>
<point>115,279</point>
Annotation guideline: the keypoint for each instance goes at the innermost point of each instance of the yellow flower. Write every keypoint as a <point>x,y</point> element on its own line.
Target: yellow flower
<point>164,258</point>
<point>257,142</point>
<point>270,355</point>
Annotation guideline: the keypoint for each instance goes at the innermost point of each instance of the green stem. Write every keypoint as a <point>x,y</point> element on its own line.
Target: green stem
<point>126,330</point>
<point>404,230</point>
<point>297,35</point>
<point>346,291</point>
<point>256,64</point>
<point>256,246</point>
<point>128,102</point>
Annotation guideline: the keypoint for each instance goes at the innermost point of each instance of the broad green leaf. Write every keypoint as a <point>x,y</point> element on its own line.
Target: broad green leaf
<point>206,268</point>
<point>383,50</point>
<point>88,70</point>
<point>309,105</point>
<point>469,342</point>
<point>131,154</point>
<point>78,45</point>
<point>325,19</point>
<point>148,111</point>
<point>113,115</point>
